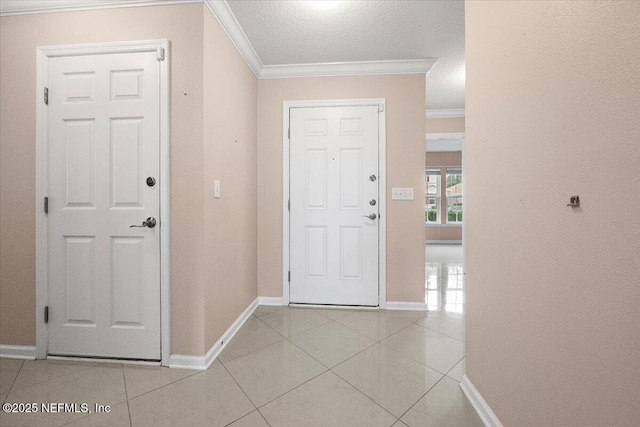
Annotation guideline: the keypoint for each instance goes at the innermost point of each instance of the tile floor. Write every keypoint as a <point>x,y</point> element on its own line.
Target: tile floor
<point>286,367</point>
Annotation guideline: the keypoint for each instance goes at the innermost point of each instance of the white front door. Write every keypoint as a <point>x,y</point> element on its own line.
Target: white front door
<point>333,191</point>
<point>103,144</point>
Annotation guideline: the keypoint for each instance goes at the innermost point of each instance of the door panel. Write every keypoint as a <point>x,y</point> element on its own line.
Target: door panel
<point>103,142</point>
<point>333,246</point>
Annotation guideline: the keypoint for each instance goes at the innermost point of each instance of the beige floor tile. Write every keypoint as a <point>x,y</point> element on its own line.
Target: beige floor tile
<point>143,379</point>
<point>399,424</point>
<point>102,384</point>
<point>272,371</point>
<point>292,321</point>
<point>253,335</point>
<point>8,372</point>
<point>117,417</point>
<point>391,379</point>
<point>334,313</point>
<point>432,348</point>
<point>373,324</point>
<point>261,310</point>
<point>411,315</point>
<point>39,371</point>
<point>458,371</point>
<point>450,324</point>
<point>444,406</point>
<point>332,343</point>
<point>254,419</point>
<point>210,398</point>
<point>3,397</point>
<point>325,401</point>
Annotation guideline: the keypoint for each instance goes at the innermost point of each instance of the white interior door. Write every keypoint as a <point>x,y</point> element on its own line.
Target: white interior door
<point>333,191</point>
<point>103,144</point>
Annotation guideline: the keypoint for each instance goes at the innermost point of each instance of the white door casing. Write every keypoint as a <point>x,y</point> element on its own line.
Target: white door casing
<point>333,177</point>
<point>103,133</point>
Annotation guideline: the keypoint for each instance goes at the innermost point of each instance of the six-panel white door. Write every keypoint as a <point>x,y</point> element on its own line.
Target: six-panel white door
<point>333,190</point>
<point>103,143</point>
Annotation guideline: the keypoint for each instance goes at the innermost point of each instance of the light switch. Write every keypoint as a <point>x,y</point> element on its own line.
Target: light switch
<point>216,189</point>
<point>401,193</point>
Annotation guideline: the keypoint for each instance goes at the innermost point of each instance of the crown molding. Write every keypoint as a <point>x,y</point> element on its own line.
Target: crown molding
<point>445,114</point>
<point>80,5</point>
<point>326,69</point>
<point>443,142</point>
<point>225,17</point>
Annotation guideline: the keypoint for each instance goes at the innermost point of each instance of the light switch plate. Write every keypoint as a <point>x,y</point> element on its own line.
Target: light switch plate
<point>216,189</point>
<point>401,193</point>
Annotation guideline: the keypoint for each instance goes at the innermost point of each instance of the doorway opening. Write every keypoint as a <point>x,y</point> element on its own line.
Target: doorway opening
<point>444,223</point>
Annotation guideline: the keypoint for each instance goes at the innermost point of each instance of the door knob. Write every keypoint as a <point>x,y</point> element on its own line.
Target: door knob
<point>150,223</point>
<point>371,216</point>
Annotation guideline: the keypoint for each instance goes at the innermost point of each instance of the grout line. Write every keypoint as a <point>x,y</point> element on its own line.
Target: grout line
<point>440,332</point>
<point>252,351</point>
<point>124,379</point>
<point>167,385</point>
<point>367,397</point>
<point>126,392</point>
<point>245,416</point>
<point>265,420</point>
<point>287,392</point>
<point>421,397</point>
<point>15,378</point>
<point>241,389</point>
<point>419,361</point>
<point>447,374</point>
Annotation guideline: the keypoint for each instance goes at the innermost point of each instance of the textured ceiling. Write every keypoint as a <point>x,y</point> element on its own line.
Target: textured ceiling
<point>297,32</point>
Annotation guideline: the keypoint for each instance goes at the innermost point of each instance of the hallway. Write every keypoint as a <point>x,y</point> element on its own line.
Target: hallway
<point>287,366</point>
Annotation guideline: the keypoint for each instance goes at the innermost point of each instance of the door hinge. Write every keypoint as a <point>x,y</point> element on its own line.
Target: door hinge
<point>46,314</point>
<point>46,205</point>
<point>289,134</point>
<point>160,56</point>
<point>289,276</point>
<point>46,96</point>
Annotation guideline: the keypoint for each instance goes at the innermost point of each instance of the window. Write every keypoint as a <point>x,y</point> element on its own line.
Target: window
<point>432,196</point>
<point>454,195</point>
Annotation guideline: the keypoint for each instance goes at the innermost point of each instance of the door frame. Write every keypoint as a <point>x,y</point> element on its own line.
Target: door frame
<point>382,188</point>
<point>43,53</point>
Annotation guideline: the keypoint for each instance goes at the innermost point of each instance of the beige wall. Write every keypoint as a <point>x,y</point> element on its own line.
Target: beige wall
<point>230,229</point>
<point>444,125</point>
<point>553,322</point>
<point>442,160</point>
<point>405,151</point>
<point>200,151</point>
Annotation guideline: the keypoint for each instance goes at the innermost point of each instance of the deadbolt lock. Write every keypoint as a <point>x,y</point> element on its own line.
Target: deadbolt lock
<point>373,178</point>
<point>151,181</point>
<point>372,202</point>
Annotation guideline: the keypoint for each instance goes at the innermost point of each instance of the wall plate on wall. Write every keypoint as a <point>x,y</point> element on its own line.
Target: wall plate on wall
<point>401,193</point>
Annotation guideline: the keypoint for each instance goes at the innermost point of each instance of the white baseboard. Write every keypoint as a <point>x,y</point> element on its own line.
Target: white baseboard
<point>270,301</point>
<point>482,408</point>
<point>27,352</point>
<point>201,363</point>
<point>444,242</point>
<point>404,305</point>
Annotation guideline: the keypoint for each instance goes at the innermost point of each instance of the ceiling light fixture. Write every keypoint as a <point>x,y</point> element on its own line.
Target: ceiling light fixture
<point>324,4</point>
